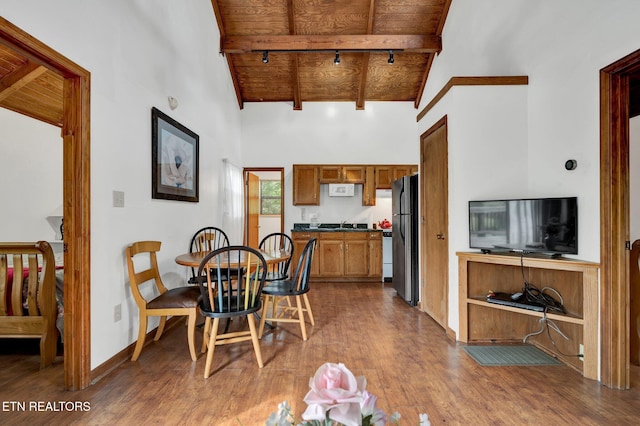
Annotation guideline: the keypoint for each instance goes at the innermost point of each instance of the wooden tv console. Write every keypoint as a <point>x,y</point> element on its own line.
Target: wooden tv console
<point>575,280</point>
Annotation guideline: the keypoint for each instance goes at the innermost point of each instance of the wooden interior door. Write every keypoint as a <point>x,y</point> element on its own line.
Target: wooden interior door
<point>252,183</point>
<point>434,293</point>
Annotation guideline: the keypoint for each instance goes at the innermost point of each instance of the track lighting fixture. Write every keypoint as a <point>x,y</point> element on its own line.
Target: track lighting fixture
<point>337,58</point>
<point>265,57</point>
<point>391,60</point>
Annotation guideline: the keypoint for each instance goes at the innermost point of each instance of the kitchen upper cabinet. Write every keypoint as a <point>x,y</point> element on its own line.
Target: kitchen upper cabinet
<point>385,174</point>
<point>306,185</point>
<point>342,174</point>
<point>369,187</point>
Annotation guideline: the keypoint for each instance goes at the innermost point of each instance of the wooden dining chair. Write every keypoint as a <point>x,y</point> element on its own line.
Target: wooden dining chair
<point>180,301</point>
<point>277,294</point>
<point>246,268</point>
<point>277,243</point>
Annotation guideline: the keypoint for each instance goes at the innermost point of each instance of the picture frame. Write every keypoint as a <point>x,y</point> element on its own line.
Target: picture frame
<point>174,159</point>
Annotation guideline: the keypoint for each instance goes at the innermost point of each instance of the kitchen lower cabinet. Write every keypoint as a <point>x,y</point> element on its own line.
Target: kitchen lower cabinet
<point>300,240</point>
<point>356,254</point>
<point>342,256</point>
<point>375,254</point>
<point>331,254</point>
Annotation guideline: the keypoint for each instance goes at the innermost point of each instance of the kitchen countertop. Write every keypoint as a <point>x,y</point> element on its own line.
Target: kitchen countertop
<point>334,227</point>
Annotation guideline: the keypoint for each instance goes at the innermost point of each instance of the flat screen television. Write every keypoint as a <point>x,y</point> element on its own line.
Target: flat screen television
<point>533,225</point>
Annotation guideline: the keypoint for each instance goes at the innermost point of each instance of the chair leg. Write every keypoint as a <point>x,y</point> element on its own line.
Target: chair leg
<point>211,347</point>
<point>205,334</point>
<point>308,307</point>
<point>142,333</point>
<point>303,327</point>
<point>254,339</point>
<point>163,321</point>
<point>191,333</point>
<point>263,315</point>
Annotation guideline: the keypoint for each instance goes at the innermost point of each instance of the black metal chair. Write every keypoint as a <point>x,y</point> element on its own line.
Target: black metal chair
<point>247,269</point>
<point>277,295</point>
<point>278,242</point>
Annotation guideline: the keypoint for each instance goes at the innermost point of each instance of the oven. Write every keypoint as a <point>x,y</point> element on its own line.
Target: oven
<point>387,256</point>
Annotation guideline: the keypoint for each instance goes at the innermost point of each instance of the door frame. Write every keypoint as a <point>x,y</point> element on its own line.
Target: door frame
<point>76,199</point>
<point>245,172</point>
<point>614,219</point>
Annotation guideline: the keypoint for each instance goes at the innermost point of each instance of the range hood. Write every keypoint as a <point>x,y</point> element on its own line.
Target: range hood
<point>341,189</point>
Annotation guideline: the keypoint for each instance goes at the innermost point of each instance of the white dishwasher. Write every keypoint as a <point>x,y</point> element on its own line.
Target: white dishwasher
<point>387,256</point>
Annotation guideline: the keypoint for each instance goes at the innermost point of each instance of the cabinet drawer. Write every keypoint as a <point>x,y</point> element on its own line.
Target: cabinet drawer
<point>355,235</point>
<point>331,235</point>
<point>296,235</point>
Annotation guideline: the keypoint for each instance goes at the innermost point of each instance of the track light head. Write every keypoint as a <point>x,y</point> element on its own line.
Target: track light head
<point>265,57</point>
<point>391,60</point>
<point>337,58</point>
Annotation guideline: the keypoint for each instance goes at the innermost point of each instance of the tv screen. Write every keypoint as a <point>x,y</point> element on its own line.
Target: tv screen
<point>536,225</point>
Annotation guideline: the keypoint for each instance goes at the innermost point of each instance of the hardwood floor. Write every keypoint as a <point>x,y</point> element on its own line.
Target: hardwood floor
<point>407,360</point>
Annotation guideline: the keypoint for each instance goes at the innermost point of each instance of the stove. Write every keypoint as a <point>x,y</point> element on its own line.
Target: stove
<point>387,256</point>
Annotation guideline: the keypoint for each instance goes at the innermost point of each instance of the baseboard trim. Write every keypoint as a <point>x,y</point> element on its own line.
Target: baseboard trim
<point>125,355</point>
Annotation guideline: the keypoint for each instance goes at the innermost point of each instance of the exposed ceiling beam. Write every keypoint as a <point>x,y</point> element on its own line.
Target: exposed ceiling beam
<point>295,78</point>
<point>11,83</point>
<point>362,84</point>
<point>300,43</point>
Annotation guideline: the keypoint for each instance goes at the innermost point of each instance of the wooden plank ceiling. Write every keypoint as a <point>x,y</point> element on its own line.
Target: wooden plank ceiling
<point>29,88</point>
<point>301,38</point>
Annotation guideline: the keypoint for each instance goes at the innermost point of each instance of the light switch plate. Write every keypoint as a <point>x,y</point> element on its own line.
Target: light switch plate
<point>118,199</point>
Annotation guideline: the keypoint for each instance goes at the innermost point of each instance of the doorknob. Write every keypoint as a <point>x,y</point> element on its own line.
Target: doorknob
<point>440,236</point>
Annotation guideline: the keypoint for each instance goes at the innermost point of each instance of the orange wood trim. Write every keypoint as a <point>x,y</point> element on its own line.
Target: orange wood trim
<point>614,219</point>
<point>76,209</point>
<point>216,10</point>
<point>236,84</point>
<point>473,81</point>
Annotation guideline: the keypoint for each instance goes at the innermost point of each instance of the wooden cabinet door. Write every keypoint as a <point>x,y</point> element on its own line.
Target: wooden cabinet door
<point>331,258</point>
<point>399,171</point>
<point>300,240</point>
<point>384,177</point>
<point>369,187</point>
<point>353,174</point>
<point>375,254</point>
<point>306,186</point>
<point>356,254</point>
<point>331,174</point>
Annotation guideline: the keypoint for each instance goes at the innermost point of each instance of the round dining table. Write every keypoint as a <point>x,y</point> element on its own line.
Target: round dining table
<point>194,259</point>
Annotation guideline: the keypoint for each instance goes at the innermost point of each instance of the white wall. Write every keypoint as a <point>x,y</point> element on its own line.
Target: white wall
<point>274,135</point>
<point>139,53</point>
<point>561,46</point>
<point>31,176</point>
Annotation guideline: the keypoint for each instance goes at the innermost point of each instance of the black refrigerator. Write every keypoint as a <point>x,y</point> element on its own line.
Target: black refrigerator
<point>405,238</point>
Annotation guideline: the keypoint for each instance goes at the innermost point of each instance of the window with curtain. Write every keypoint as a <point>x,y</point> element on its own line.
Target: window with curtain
<point>270,197</point>
<point>232,215</point>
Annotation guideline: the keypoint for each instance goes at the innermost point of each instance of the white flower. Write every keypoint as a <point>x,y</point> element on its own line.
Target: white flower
<point>281,417</point>
<point>424,420</point>
<point>395,417</point>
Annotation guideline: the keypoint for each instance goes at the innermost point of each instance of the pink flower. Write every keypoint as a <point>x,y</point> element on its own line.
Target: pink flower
<point>335,392</point>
